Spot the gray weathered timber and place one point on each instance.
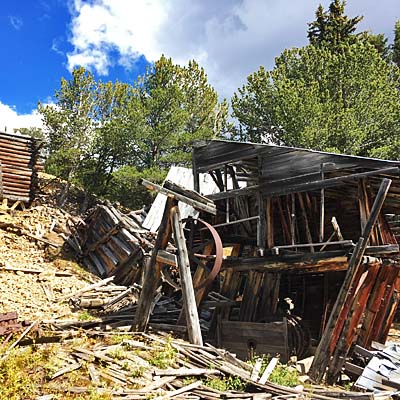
(322, 355)
(210, 207)
(152, 272)
(303, 187)
(192, 317)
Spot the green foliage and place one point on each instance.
(172, 107)
(106, 136)
(71, 122)
(380, 43)
(22, 372)
(396, 44)
(316, 98)
(126, 188)
(332, 28)
(33, 132)
(282, 375)
(165, 358)
(85, 316)
(226, 383)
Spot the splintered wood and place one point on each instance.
(139, 366)
(112, 244)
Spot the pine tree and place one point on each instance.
(332, 28)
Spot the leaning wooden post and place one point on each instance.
(322, 355)
(192, 317)
(152, 272)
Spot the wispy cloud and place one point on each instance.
(16, 22)
(55, 46)
(230, 38)
(10, 119)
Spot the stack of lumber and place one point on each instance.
(103, 296)
(19, 157)
(113, 243)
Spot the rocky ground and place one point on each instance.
(35, 266)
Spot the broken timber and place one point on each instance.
(152, 269)
(323, 356)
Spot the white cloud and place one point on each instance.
(230, 38)
(10, 119)
(15, 22)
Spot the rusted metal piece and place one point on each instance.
(218, 256)
(9, 323)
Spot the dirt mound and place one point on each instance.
(36, 267)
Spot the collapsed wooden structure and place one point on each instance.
(19, 164)
(305, 227)
(297, 249)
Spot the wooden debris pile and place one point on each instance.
(112, 244)
(19, 165)
(382, 369)
(139, 366)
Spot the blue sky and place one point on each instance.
(42, 40)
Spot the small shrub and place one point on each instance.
(163, 358)
(226, 383)
(284, 376)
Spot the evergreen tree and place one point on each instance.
(332, 28)
(345, 102)
(396, 44)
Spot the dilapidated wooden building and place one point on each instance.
(283, 250)
(290, 220)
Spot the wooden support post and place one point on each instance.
(322, 354)
(386, 299)
(305, 221)
(270, 223)
(192, 317)
(322, 208)
(285, 227)
(372, 309)
(196, 175)
(226, 189)
(293, 219)
(261, 225)
(152, 272)
(199, 275)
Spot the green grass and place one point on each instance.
(165, 358)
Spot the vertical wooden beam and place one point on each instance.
(293, 219)
(394, 301)
(226, 189)
(270, 223)
(261, 224)
(196, 175)
(199, 275)
(192, 317)
(322, 208)
(152, 272)
(322, 354)
(305, 221)
(285, 227)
